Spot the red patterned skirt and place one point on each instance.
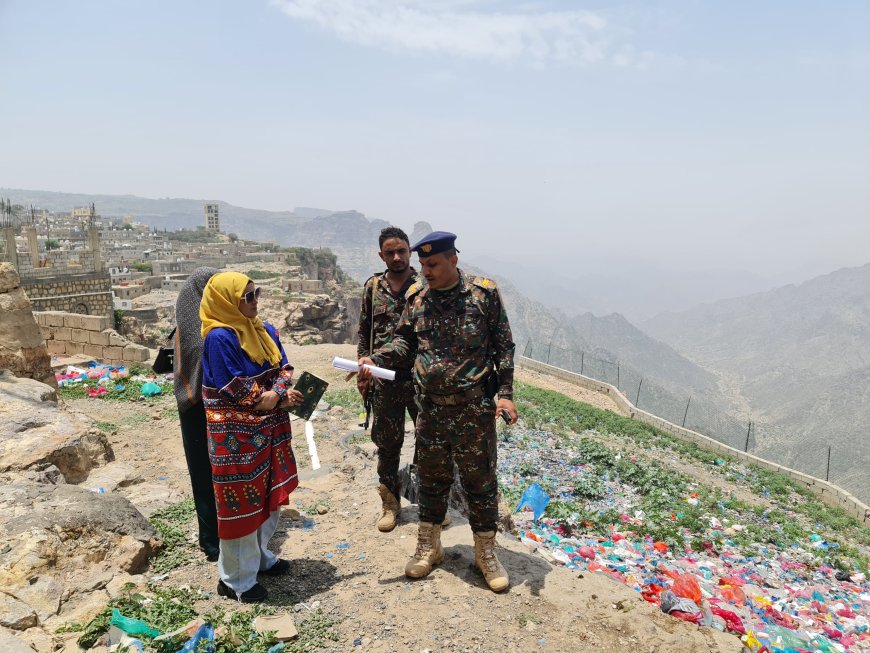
(252, 463)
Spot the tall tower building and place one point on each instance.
(212, 219)
(94, 238)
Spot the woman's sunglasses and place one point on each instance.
(251, 297)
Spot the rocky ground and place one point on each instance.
(348, 569)
(303, 318)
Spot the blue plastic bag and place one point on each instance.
(203, 633)
(535, 498)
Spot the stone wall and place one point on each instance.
(71, 334)
(827, 492)
(131, 291)
(312, 286)
(56, 263)
(87, 293)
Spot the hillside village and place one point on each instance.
(119, 268)
(95, 511)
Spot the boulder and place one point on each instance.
(22, 347)
(113, 476)
(318, 319)
(35, 435)
(39, 640)
(81, 608)
(10, 643)
(43, 595)
(61, 529)
(16, 614)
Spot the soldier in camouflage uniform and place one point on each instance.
(382, 305)
(456, 332)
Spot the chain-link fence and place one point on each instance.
(703, 414)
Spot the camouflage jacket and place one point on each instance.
(384, 309)
(454, 338)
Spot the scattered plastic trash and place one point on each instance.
(132, 626)
(535, 498)
(201, 642)
(150, 389)
(118, 640)
(72, 374)
(777, 598)
(670, 602)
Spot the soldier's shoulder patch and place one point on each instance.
(484, 282)
(414, 289)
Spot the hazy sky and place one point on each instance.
(693, 134)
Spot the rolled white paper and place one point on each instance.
(353, 366)
(312, 448)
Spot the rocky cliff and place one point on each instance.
(22, 348)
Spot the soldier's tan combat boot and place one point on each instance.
(390, 509)
(484, 557)
(429, 551)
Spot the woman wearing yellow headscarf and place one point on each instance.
(245, 384)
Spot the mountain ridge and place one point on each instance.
(799, 355)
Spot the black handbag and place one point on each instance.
(165, 361)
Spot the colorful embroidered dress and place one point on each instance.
(253, 468)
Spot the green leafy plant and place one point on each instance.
(344, 397)
(166, 609)
(173, 523)
(523, 619)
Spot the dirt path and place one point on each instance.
(355, 573)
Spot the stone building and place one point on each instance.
(60, 280)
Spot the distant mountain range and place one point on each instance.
(800, 355)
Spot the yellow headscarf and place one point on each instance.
(220, 308)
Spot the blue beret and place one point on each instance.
(435, 243)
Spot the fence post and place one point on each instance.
(617, 376)
(748, 431)
(637, 398)
(687, 411)
(828, 470)
(582, 360)
(548, 352)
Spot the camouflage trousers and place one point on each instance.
(388, 429)
(464, 435)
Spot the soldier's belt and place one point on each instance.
(459, 398)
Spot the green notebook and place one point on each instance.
(312, 389)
